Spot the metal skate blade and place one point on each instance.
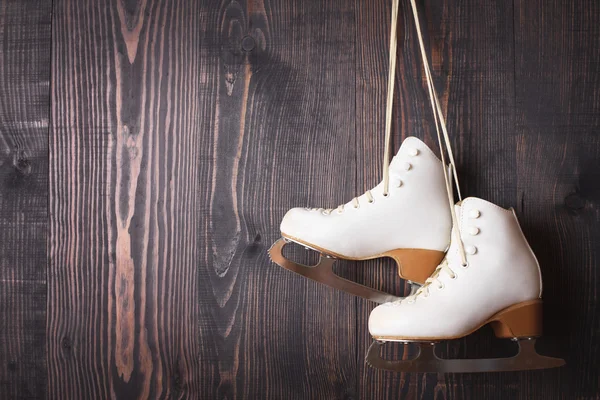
(323, 273)
(527, 358)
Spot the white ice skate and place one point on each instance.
(406, 217)
(489, 276)
(410, 224)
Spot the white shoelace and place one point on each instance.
(440, 122)
(390, 96)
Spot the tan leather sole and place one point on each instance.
(521, 320)
(415, 265)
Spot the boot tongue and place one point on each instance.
(396, 160)
(453, 245)
(458, 211)
(395, 163)
(408, 143)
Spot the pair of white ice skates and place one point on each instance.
(499, 281)
(469, 262)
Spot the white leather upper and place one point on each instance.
(502, 271)
(414, 215)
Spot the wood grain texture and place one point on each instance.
(557, 48)
(122, 288)
(280, 103)
(24, 113)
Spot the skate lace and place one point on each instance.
(355, 202)
(433, 279)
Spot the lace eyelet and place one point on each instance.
(473, 231)
(441, 287)
(464, 266)
(371, 201)
(453, 277)
(356, 207)
(325, 213)
(340, 211)
(386, 195)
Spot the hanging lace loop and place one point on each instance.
(440, 124)
(390, 96)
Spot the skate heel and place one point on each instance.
(416, 265)
(523, 320)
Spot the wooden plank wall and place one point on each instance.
(25, 41)
(124, 184)
(149, 149)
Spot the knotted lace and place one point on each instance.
(433, 280)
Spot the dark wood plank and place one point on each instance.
(481, 117)
(122, 289)
(558, 168)
(372, 66)
(24, 114)
(281, 127)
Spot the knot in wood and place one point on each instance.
(248, 43)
